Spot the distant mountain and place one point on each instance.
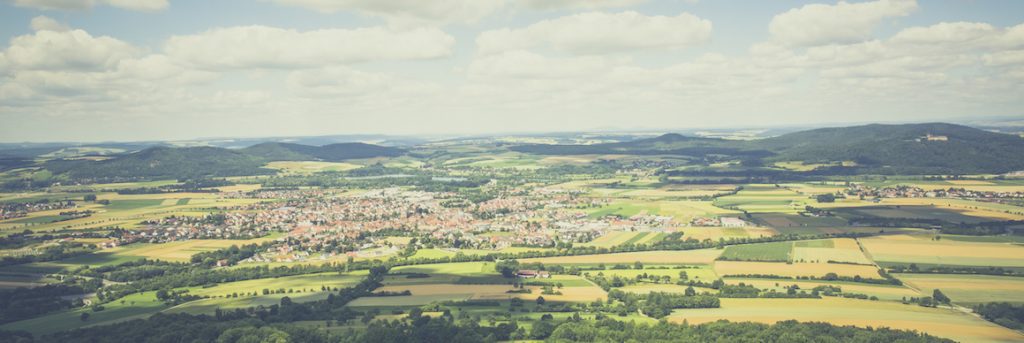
(931, 148)
(331, 152)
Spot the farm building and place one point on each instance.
(533, 274)
(732, 222)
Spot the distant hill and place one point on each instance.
(668, 144)
(932, 148)
(906, 148)
(331, 152)
(162, 162)
(199, 162)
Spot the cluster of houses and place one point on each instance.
(905, 191)
(719, 222)
(18, 210)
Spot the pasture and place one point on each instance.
(135, 306)
(210, 306)
(942, 322)
(767, 252)
(304, 283)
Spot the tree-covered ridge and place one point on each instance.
(162, 163)
(188, 328)
(200, 162)
(331, 152)
(910, 148)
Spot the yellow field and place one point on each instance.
(240, 188)
(611, 239)
(969, 289)
(182, 251)
(881, 291)
(919, 249)
(155, 206)
(940, 322)
(714, 233)
(309, 167)
(702, 256)
(725, 268)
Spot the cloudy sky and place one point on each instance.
(91, 70)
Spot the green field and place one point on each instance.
(769, 252)
(140, 305)
(305, 283)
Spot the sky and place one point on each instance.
(129, 70)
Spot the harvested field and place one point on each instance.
(941, 322)
(912, 249)
(726, 268)
(969, 289)
(702, 256)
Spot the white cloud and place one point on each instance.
(68, 49)
(41, 23)
(135, 5)
(339, 83)
(270, 47)
(844, 22)
(576, 4)
(408, 12)
(527, 65)
(597, 32)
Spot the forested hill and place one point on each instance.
(668, 144)
(911, 147)
(199, 162)
(162, 162)
(932, 148)
(331, 152)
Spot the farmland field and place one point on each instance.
(135, 306)
(883, 292)
(768, 252)
(727, 268)
(703, 256)
(941, 322)
(905, 249)
(698, 272)
(969, 289)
